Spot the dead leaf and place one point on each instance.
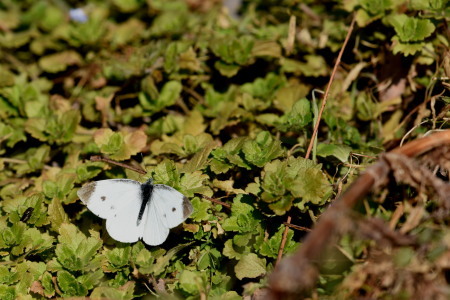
(227, 186)
(36, 287)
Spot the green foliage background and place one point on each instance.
(211, 105)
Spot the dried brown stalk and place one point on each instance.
(298, 273)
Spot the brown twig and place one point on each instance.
(296, 226)
(113, 162)
(327, 91)
(316, 126)
(217, 201)
(298, 273)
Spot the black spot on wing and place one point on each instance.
(103, 198)
(174, 209)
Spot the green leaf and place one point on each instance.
(91, 279)
(69, 285)
(192, 183)
(57, 215)
(120, 145)
(7, 78)
(191, 282)
(410, 29)
(125, 292)
(48, 285)
(199, 160)
(58, 62)
(428, 4)
(7, 292)
(201, 208)
(171, 20)
(376, 7)
(300, 177)
(166, 173)
(312, 186)
(287, 96)
(74, 251)
(341, 152)
(145, 259)
(250, 266)
(13, 236)
(230, 152)
(168, 96)
(5, 275)
(264, 88)
(209, 258)
(226, 69)
(37, 241)
(262, 150)
(54, 17)
(119, 257)
(163, 261)
(406, 48)
(58, 128)
(127, 6)
(169, 93)
(243, 218)
(314, 66)
(233, 50)
(230, 252)
(297, 118)
(271, 247)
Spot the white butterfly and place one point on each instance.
(135, 210)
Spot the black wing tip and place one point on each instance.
(86, 191)
(187, 207)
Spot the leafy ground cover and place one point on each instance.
(221, 105)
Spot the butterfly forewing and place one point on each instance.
(118, 201)
(172, 207)
(106, 197)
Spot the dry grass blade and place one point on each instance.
(316, 127)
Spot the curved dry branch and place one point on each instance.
(298, 273)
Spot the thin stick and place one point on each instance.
(316, 127)
(113, 162)
(325, 97)
(217, 201)
(297, 227)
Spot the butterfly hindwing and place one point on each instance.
(167, 208)
(155, 232)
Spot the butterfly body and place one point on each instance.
(135, 210)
